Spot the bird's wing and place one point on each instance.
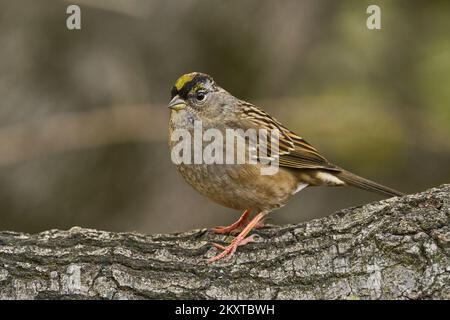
(293, 150)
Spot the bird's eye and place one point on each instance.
(200, 96)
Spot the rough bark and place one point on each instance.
(394, 249)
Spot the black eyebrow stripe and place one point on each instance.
(184, 91)
(173, 92)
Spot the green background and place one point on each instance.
(83, 116)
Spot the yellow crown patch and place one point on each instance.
(184, 79)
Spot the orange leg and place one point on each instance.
(240, 240)
(237, 225)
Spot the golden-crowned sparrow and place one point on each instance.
(196, 97)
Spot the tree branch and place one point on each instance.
(393, 249)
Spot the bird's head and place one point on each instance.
(198, 94)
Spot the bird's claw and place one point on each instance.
(229, 250)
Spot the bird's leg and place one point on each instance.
(240, 240)
(236, 225)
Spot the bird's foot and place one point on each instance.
(228, 251)
(236, 231)
(240, 240)
(236, 226)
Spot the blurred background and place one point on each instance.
(83, 116)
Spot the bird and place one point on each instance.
(197, 98)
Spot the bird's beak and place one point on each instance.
(177, 103)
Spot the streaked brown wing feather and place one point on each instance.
(294, 151)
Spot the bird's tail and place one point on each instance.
(362, 183)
